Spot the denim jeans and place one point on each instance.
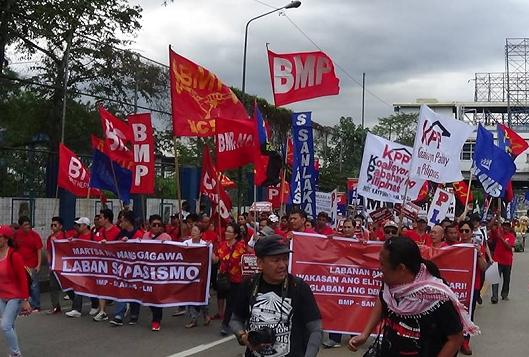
(9, 310)
(34, 292)
(121, 307)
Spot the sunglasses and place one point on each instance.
(156, 225)
(390, 231)
(465, 230)
(53, 225)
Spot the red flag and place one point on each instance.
(461, 190)
(300, 76)
(198, 98)
(227, 183)
(515, 143)
(99, 144)
(143, 148)
(290, 152)
(73, 176)
(509, 194)
(209, 186)
(117, 135)
(236, 143)
(423, 193)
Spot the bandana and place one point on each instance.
(424, 295)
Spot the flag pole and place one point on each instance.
(282, 188)
(401, 214)
(177, 183)
(468, 191)
(116, 184)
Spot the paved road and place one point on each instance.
(505, 332)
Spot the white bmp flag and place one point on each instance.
(438, 143)
(385, 171)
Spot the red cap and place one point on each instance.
(6, 231)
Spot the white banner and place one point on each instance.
(385, 170)
(438, 144)
(439, 207)
(327, 202)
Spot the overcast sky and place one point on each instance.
(408, 48)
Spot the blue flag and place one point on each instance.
(303, 181)
(492, 166)
(102, 176)
(261, 129)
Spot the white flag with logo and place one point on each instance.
(439, 207)
(437, 148)
(385, 171)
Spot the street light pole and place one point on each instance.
(291, 5)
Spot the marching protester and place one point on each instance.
(504, 241)
(14, 292)
(229, 276)
(348, 228)
(57, 233)
(297, 219)
(173, 228)
(29, 245)
(452, 234)
(420, 235)
(437, 236)
(322, 224)
(276, 313)
(391, 230)
(195, 311)
(430, 326)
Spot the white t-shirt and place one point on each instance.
(190, 242)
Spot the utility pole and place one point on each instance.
(363, 96)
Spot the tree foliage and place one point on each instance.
(400, 128)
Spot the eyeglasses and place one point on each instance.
(53, 225)
(465, 230)
(156, 224)
(390, 231)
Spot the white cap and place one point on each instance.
(391, 224)
(83, 220)
(273, 218)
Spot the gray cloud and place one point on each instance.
(408, 48)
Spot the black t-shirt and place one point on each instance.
(293, 311)
(422, 336)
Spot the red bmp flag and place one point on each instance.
(302, 75)
(73, 176)
(236, 143)
(209, 186)
(461, 191)
(199, 98)
(143, 149)
(117, 135)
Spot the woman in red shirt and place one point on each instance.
(14, 291)
(228, 255)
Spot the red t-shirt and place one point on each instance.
(421, 239)
(173, 231)
(56, 236)
(479, 273)
(13, 279)
(326, 231)
(379, 234)
(502, 254)
(86, 236)
(107, 234)
(28, 246)
(210, 236)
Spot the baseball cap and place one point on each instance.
(273, 218)
(82, 220)
(391, 224)
(421, 219)
(6, 231)
(270, 245)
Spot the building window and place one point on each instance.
(468, 150)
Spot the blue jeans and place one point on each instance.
(121, 307)
(9, 310)
(34, 292)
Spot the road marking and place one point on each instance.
(203, 347)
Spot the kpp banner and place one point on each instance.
(385, 170)
(73, 176)
(300, 76)
(303, 178)
(199, 98)
(346, 279)
(438, 144)
(153, 273)
(143, 148)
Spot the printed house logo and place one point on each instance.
(433, 133)
(486, 163)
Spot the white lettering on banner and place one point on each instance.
(76, 169)
(439, 206)
(227, 142)
(140, 132)
(116, 137)
(142, 153)
(210, 184)
(490, 186)
(139, 172)
(308, 74)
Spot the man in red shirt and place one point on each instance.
(173, 229)
(322, 224)
(419, 234)
(82, 229)
(504, 242)
(297, 219)
(57, 233)
(29, 245)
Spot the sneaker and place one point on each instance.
(224, 330)
(116, 321)
(53, 311)
(133, 320)
(101, 316)
(93, 311)
(155, 326)
(36, 309)
(73, 313)
(505, 298)
(179, 312)
(494, 300)
(66, 297)
(331, 344)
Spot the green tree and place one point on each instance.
(343, 155)
(400, 128)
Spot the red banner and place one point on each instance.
(199, 98)
(273, 194)
(117, 135)
(236, 143)
(152, 273)
(300, 76)
(345, 280)
(143, 148)
(209, 186)
(73, 176)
